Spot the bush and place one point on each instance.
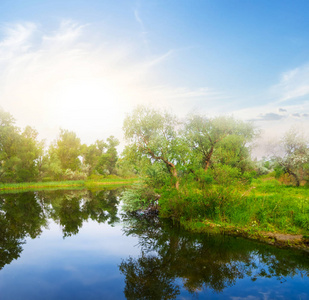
(139, 197)
(193, 203)
(74, 175)
(226, 175)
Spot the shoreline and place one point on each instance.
(281, 240)
(64, 184)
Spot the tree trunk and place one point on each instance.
(174, 174)
(171, 167)
(207, 160)
(296, 178)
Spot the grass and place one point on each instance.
(263, 206)
(110, 181)
(67, 184)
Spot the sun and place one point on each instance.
(83, 100)
(86, 94)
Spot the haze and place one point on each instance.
(83, 65)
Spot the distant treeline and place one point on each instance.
(23, 157)
(159, 146)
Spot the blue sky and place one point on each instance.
(83, 65)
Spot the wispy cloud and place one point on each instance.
(144, 33)
(65, 77)
(270, 117)
(294, 84)
(17, 39)
(158, 59)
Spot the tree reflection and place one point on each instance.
(10, 244)
(71, 209)
(201, 261)
(146, 278)
(21, 215)
(24, 215)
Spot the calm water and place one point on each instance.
(78, 245)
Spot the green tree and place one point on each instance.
(107, 161)
(20, 153)
(295, 158)
(9, 143)
(92, 154)
(68, 150)
(219, 140)
(29, 153)
(155, 135)
(101, 157)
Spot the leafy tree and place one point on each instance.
(295, 159)
(51, 166)
(102, 156)
(155, 135)
(19, 152)
(9, 143)
(107, 161)
(132, 162)
(92, 154)
(68, 150)
(219, 140)
(29, 153)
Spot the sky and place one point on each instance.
(85, 65)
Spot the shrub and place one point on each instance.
(139, 197)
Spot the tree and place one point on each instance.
(108, 159)
(9, 143)
(29, 153)
(92, 154)
(19, 152)
(295, 158)
(220, 139)
(155, 135)
(68, 150)
(102, 156)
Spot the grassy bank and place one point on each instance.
(265, 210)
(67, 184)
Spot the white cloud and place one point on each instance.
(69, 78)
(293, 84)
(16, 39)
(284, 110)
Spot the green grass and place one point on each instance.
(262, 206)
(67, 184)
(34, 185)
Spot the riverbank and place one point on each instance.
(67, 184)
(282, 240)
(264, 210)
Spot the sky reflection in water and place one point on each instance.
(78, 247)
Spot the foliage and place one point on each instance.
(101, 157)
(264, 205)
(19, 152)
(201, 262)
(68, 149)
(155, 136)
(295, 160)
(219, 140)
(139, 196)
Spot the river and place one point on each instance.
(79, 244)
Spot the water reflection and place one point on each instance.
(170, 263)
(202, 262)
(24, 215)
(21, 215)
